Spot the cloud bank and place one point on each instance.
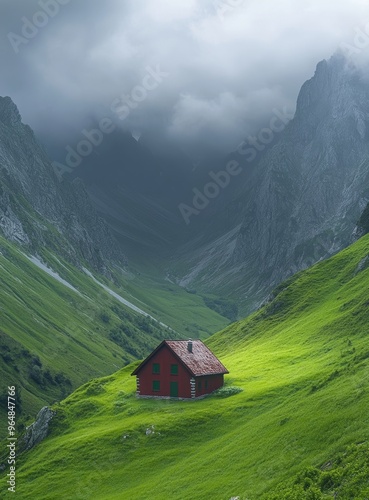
(228, 63)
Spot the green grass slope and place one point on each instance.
(190, 314)
(302, 364)
(345, 477)
(54, 338)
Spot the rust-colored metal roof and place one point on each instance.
(201, 361)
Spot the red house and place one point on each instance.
(179, 369)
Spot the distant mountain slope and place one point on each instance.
(297, 202)
(59, 328)
(137, 191)
(302, 362)
(36, 210)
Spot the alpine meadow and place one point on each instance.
(184, 250)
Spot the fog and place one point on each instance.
(201, 73)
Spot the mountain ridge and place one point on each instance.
(37, 210)
(303, 199)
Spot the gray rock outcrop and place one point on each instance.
(39, 430)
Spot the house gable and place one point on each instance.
(153, 355)
(163, 374)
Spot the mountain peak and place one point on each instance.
(337, 63)
(334, 88)
(9, 114)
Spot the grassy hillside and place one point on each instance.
(190, 314)
(346, 476)
(302, 364)
(54, 338)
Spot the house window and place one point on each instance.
(206, 383)
(199, 385)
(174, 369)
(156, 368)
(156, 385)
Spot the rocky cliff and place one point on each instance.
(303, 198)
(297, 202)
(37, 210)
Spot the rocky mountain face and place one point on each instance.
(136, 189)
(362, 226)
(296, 202)
(301, 199)
(37, 210)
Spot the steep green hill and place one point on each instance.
(55, 336)
(302, 364)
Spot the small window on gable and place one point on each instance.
(156, 368)
(174, 369)
(156, 385)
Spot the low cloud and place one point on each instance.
(229, 62)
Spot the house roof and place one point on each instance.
(201, 361)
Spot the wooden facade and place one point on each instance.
(179, 369)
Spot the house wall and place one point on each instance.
(165, 358)
(208, 384)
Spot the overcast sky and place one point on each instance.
(224, 64)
